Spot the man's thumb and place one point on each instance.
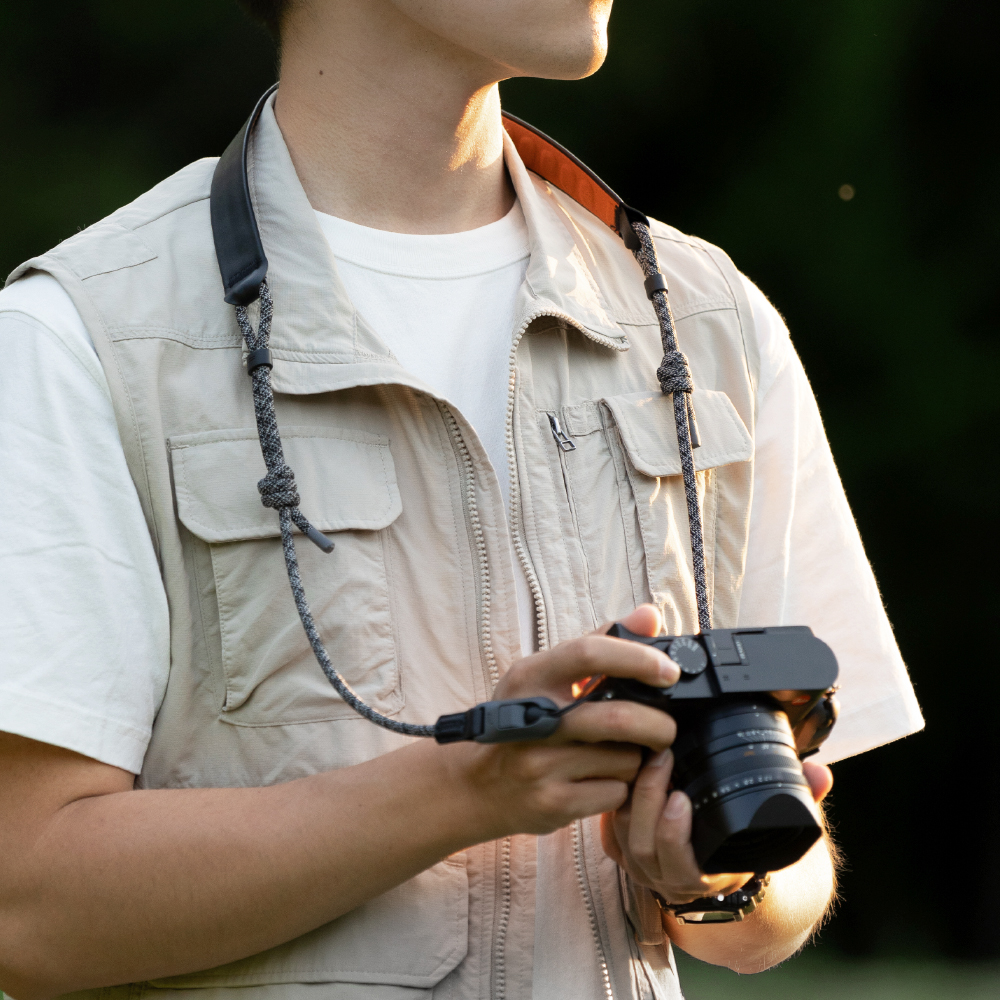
(645, 620)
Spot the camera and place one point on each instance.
(750, 704)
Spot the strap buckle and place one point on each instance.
(719, 909)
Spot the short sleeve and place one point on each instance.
(805, 562)
(84, 639)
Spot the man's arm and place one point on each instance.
(650, 838)
(102, 884)
(797, 899)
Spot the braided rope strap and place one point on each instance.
(674, 377)
(278, 491)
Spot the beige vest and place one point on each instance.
(417, 604)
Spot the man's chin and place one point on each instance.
(565, 63)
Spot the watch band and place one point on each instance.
(719, 909)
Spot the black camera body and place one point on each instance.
(750, 704)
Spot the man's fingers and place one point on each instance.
(618, 722)
(592, 655)
(649, 795)
(673, 838)
(618, 763)
(683, 881)
(599, 796)
(555, 671)
(820, 779)
(547, 765)
(645, 620)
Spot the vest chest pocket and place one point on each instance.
(347, 483)
(625, 493)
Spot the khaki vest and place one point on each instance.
(417, 603)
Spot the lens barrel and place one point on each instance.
(753, 808)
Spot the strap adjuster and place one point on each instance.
(261, 358)
(655, 283)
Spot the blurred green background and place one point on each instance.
(742, 123)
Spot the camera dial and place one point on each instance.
(688, 654)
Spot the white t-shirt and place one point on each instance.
(444, 306)
(84, 631)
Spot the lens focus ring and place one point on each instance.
(735, 758)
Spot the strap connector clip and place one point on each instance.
(507, 721)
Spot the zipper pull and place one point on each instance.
(563, 440)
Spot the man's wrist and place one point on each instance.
(798, 897)
(468, 807)
(439, 792)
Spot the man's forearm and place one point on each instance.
(796, 900)
(102, 885)
(140, 884)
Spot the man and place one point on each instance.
(463, 362)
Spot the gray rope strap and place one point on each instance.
(674, 376)
(278, 491)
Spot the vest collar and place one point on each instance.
(318, 339)
(559, 280)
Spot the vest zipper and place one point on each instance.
(565, 444)
(479, 542)
(588, 899)
(563, 440)
(542, 634)
(503, 922)
(486, 643)
(541, 621)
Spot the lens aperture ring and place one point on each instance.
(696, 773)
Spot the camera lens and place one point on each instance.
(753, 808)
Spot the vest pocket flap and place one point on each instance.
(346, 480)
(646, 423)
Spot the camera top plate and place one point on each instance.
(744, 660)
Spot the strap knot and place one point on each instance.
(674, 374)
(277, 489)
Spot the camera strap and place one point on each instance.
(243, 265)
(719, 909)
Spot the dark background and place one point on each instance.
(739, 122)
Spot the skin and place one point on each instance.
(391, 113)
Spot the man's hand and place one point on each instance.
(587, 766)
(650, 834)
(796, 901)
(650, 838)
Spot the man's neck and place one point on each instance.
(390, 126)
